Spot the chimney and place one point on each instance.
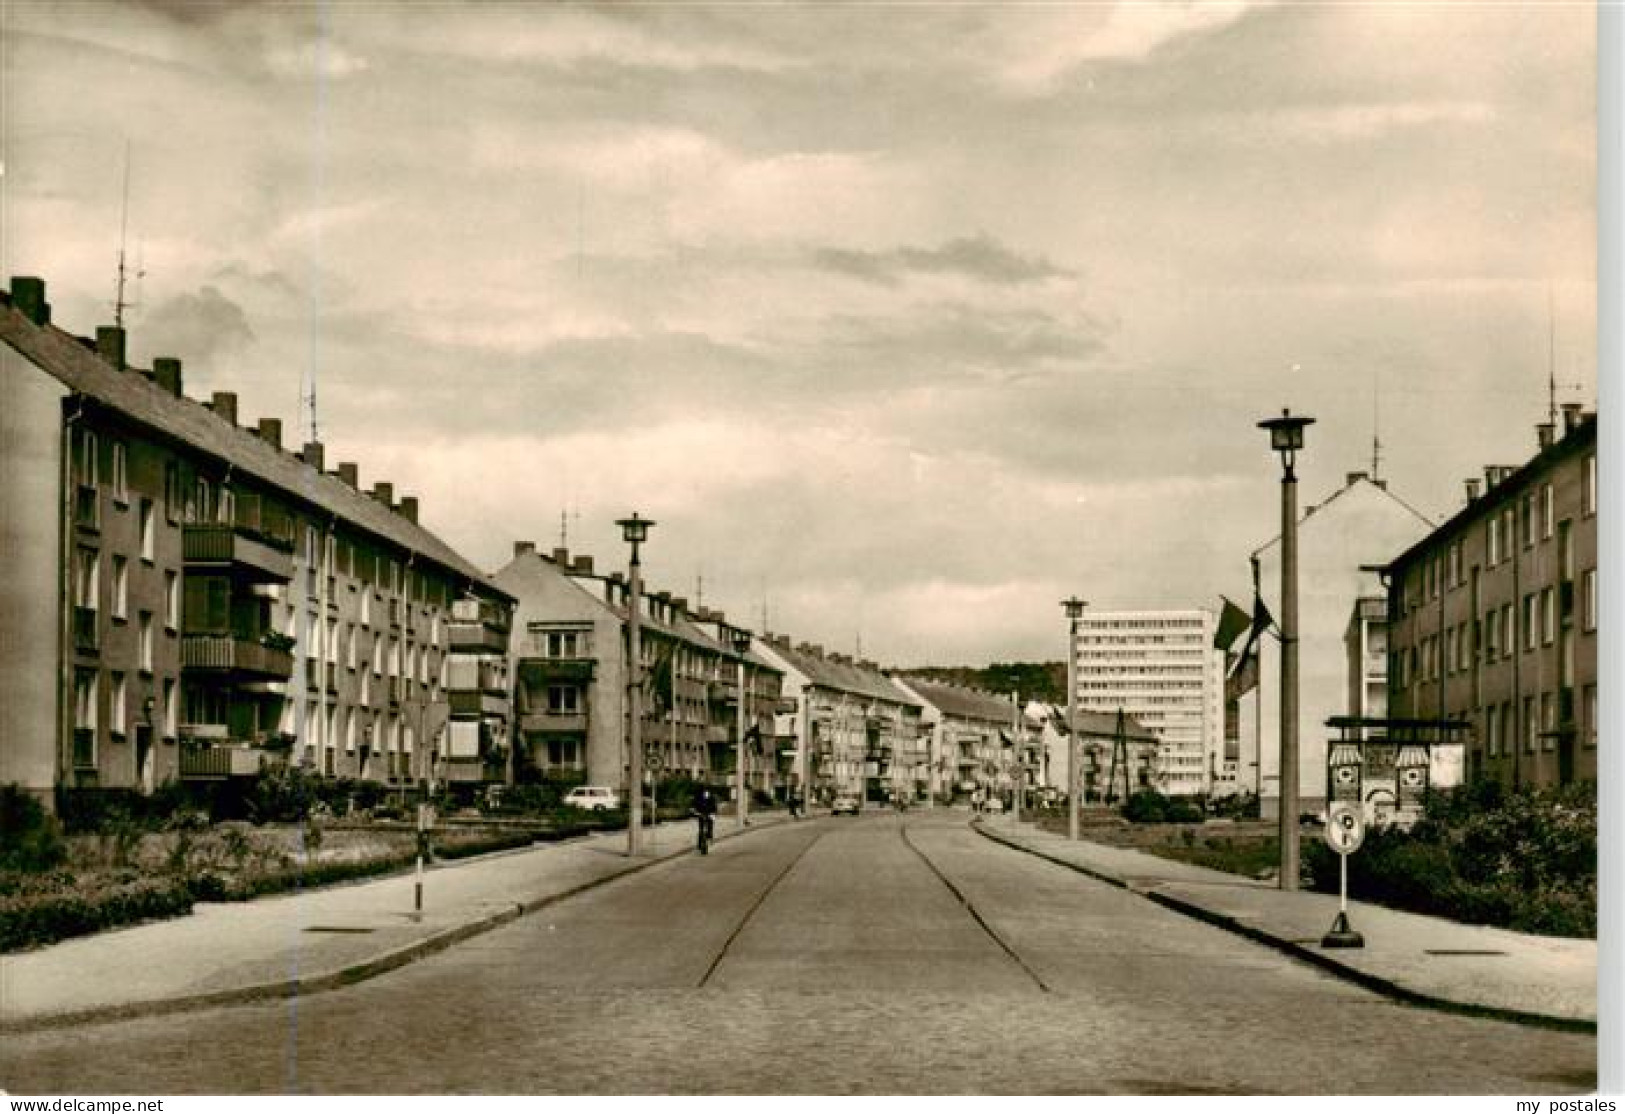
(312, 454)
(1543, 433)
(523, 549)
(110, 345)
(224, 403)
(271, 432)
(1355, 477)
(583, 564)
(28, 295)
(409, 508)
(1573, 414)
(166, 370)
(680, 603)
(350, 474)
(1472, 489)
(384, 493)
(561, 556)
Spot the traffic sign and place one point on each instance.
(1345, 828)
(653, 761)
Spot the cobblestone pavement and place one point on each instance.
(872, 956)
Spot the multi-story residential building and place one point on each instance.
(1493, 616)
(1356, 528)
(1111, 752)
(1366, 647)
(1159, 667)
(185, 598)
(972, 738)
(855, 729)
(569, 661)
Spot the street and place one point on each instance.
(879, 954)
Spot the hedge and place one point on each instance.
(44, 918)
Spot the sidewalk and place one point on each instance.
(297, 943)
(1424, 960)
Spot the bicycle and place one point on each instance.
(703, 838)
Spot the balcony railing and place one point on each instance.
(231, 654)
(244, 550)
(216, 763)
(86, 636)
(463, 637)
(482, 612)
(533, 723)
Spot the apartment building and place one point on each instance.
(184, 598)
(1112, 752)
(972, 738)
(569, 663)
(855, 729)
(1492, 618)
(1159, 667)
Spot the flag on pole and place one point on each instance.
(1232, 621)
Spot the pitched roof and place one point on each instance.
(1099, 725)
(66, 359)
(955, 700)
(842, 676)
(1358, 480)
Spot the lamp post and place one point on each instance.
(741, 643)
(1286, 438)
(636, 531)
(1074, 611)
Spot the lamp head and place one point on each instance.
(1074, 607)
(1286, 432)
(635, 530)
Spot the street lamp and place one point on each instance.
(636, 531)
(741, 643)
(1286, 438)
(1074, 611)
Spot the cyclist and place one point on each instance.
(704, 808)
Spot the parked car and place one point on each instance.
(993, 804)
(846, 803)
(594, 798)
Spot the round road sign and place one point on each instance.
(1345, 828)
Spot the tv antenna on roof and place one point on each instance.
(119, 304)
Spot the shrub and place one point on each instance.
(43, 918)
(30, 838)
(1146, 806)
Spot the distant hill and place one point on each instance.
(1031, 680)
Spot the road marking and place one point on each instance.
(902, 830)
(751, 912)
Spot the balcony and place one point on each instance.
(467, 638)
(475, 675)
(86, 635)
(243, 551)
(473, 612)
(229, 653)
(466, 704)
(217, 763)
(536, 672)
(537, 723)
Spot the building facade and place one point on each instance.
(855, 730)
(1340, 540)
(185, 599)
(972, 740)
(1493, 616)
(1159, 667)
(570, 663)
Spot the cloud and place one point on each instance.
(205, 327)
(978, 257)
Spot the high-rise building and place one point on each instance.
(1160, 667)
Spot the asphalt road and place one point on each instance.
(875, 955)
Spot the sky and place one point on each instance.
(903, 321)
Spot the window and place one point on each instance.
(1509, 631)
(1492, 633)
(1531, 728)
(1588, 600)
(1530, 621)
(144, 642)
(1588, 715)
(85, 459)
(1526, 523)
(116, 713)
(84, 717)
(1588, 486)
(1548, 616)
(121, 587)
(1548, 511)
(349, 658)
(1548, 720)
(87, 577)
(170, 709)
(147, 541)
(331, 642)
(172, 492)
(1491, 739)
(563, 700)
(228, 505)
(1494, 555)
(172, 601)
(121, 477)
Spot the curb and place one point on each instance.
(1318, 959)
(356, 972)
